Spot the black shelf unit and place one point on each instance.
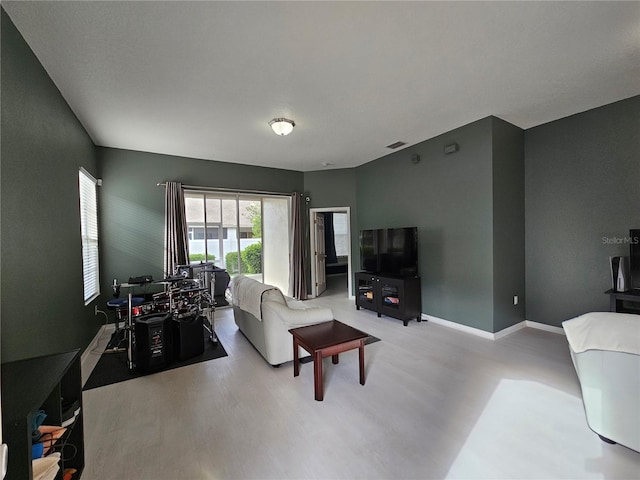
(624, 302)
(397, 297)
(41, 383)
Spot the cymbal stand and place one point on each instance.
(208, 312)
(129, 329)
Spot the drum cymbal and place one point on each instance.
(179, 278)
(191, 289)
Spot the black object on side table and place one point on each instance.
(42, 383)
(624, 302)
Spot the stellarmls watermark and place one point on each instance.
(621, 240)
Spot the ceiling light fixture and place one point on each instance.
(282, 126)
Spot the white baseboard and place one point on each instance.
(458, 326)
(94, 343)
(492, 336)
(545, 327)
(509, 330)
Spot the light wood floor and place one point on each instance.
(438, 403)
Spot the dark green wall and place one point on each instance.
(132, 205)
(582, 186)
(581, 182)
(450, 199)
(331, 188)
(43, 145)
(335, 188)
(508, 224)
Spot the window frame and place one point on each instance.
(89, 235)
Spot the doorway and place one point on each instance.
(330, 247)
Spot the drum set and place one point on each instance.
(188, 293)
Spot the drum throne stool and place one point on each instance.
(120, 307)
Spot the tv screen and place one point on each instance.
(369, 250)
(634, 254)
(390, 251)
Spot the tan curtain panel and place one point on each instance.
(297, 277)
(176, 241)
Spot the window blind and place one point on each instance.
(89, 233)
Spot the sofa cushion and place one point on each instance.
(295, 317)
(248, 294)
(617, 332)
(273, 295)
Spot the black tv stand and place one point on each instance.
(397, 297)
(624, 302)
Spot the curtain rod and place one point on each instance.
(228, 190)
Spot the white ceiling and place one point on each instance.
(202, 79)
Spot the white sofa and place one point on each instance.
(605, 349)
(264, 316)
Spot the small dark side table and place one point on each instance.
(323, 340)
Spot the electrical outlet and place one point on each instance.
(515, 299)
(96, 310)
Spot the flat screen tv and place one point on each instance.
(390, 251)
(634, 254)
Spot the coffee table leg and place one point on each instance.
(317, 375)
(361, 354)
(335, 359)
(296, 360)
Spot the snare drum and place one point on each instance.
(142, 309)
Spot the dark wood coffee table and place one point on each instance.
(324, 340)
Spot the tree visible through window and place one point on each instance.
(220, 226)
(243, 233)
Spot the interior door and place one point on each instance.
(320, 254)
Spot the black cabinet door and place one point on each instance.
(391, 297)
(366, 294)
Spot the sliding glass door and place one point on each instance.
(276, 244)
(247, 234)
